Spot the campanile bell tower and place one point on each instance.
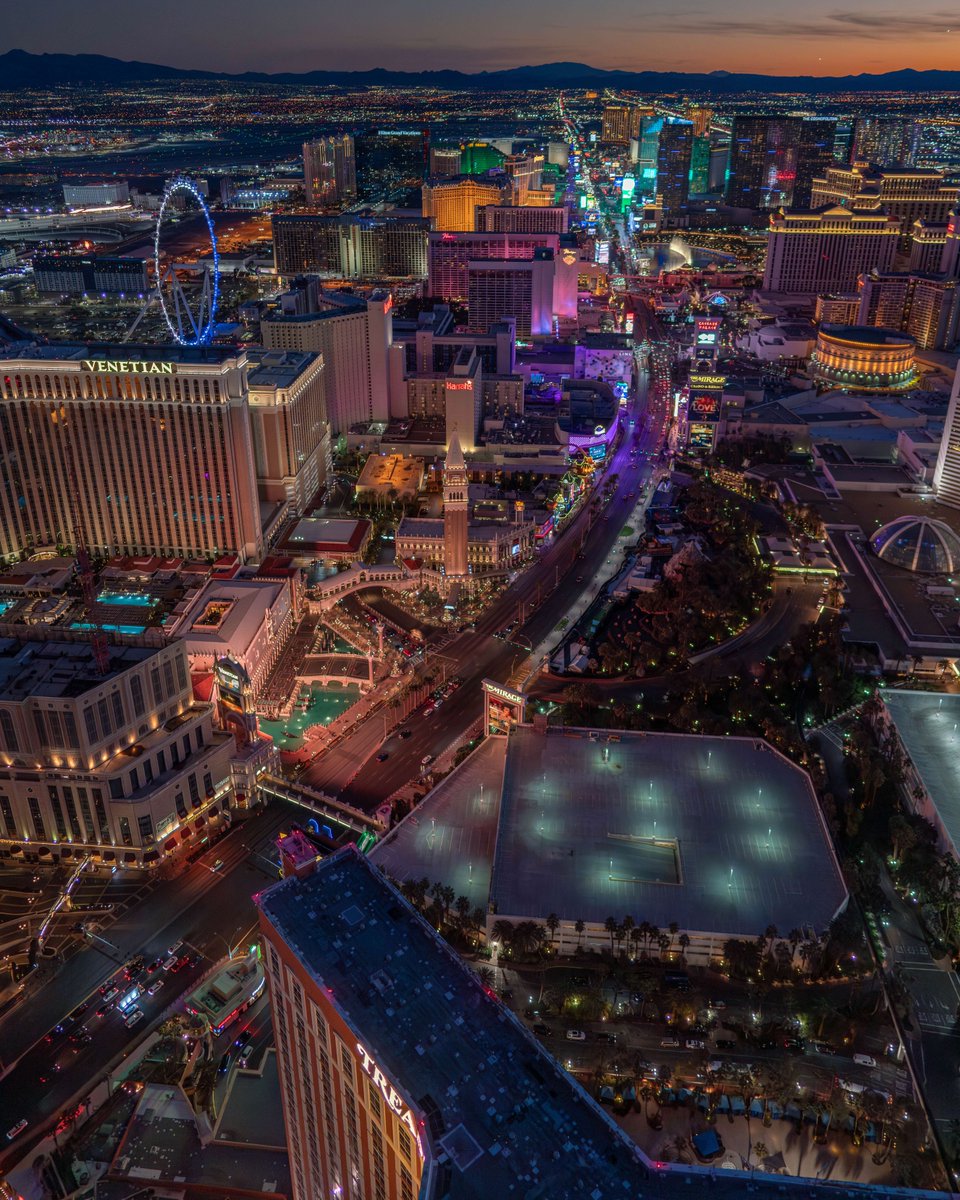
(456, 512)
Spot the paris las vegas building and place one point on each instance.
(184, 451)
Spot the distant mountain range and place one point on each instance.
(19, 70)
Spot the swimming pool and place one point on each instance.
(6, 605)
(127, 599)
(326, 704)
(131, 629)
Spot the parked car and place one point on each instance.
(18, 1128)
(670, 1043)
(695, 1044)
(726, 1044)
(543, 1030)
(865, 1060)
(576, 1035)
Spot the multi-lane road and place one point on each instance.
(211, 909)
(537, 601)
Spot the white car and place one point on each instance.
(426, 760)
(170, 963)
(132, 1017)
(18, 1128)
(865, 1060)
(576, 1035)
(154, 987)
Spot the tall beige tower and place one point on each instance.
(456, 512)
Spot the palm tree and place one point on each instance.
(579, 926)
(485, 975)
(553, 924)
(683, 941)
(462, 905)
(502, 932)
(674, 929)
(610, 925)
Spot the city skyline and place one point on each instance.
(825, 39)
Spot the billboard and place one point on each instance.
(700, 437)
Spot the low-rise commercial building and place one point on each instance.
(248, 620)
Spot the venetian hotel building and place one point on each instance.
(189, 451)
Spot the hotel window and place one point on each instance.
(181, 807)
(403, 1138)
(8, 734)
(70, 725)
(194, 791)
(136, 692)
(146, 829)
(118, 710)
(101, 814)
(125, 831)
(8, 820)
(57, 813)
(91, 723)
(346, 1062)
(72, 812)
(38, 827)
(104, 716)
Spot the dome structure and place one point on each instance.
(918, 544)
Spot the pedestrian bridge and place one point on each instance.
(334, 814)
(325, 594)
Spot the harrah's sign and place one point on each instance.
(125, 366)
(394, 1101)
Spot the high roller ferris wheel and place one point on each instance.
(190, 319)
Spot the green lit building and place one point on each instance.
(476, 158)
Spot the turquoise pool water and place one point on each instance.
(127, 599)
(326, 704)
(5, 605)
(133, 629)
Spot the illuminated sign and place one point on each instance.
(388, 1091)
(706, 339)
(133, 366)
(708, 381)
(703, 405)
(502, 693)
(597, 452)
(708, 323)
(701, 437)
(459, 387)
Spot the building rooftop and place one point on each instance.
(228, 614)
(866, 335)
(122, 352)
(927, 725)
(490, 1100)
(322, 535)
(717, 834)
(510, 1119)
(58, 668)
(276, 368)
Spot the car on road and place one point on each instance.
(405, 733)
(218, 865)
(170, 963)
(543, 1030)
(104, 1008)
(154, 987)
(576, 1035)
(154, 966)
(243, 1038)
(609, 1038)
(865, 1060)
(670, 1043)
(18, 1128)
(383, 757)
(245, 1055)
(695, 1044)
(224, 1063)
(111, 994)
(79, 1011)
(175, 949)
(426, 760)
(719, 1005)
(132, 1017)
(726, 1044)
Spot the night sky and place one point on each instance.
(815, 37)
